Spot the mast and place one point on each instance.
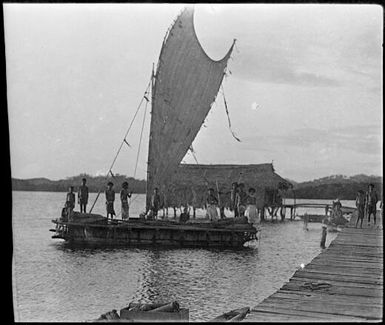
(149, 176)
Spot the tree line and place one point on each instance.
(94, 183)
(346, 191)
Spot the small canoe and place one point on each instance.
(235, 315)
(153, 312)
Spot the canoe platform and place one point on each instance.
(96, 230)
(342, 284)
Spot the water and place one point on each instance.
(54, 282)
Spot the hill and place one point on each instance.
(337, 186)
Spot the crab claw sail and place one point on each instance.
(185, 86)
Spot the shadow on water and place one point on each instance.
(93, 249)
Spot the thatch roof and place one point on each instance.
(190, 182)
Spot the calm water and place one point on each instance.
(54, 282)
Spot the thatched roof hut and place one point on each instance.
(190, 182)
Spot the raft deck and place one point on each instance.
(344, 283)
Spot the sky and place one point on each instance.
(304, 87)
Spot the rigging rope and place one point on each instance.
(228, 116)
(140, 139)
(124, 139)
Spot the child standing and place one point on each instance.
(70, 202)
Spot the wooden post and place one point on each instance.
(305, 221)
(194, 213)
(323, 236)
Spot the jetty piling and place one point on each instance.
(343, 283)
(323, 235)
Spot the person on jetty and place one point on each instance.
(252, 210)
(241, 200)
(70, 203)
(360, 204)
(211, 205)
(233, 196)
(371, 200)
(124, 195)
(337, 212)
(110, 198)
(83, 196)
(155, 203)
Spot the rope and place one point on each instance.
(193, 154)
(228, 116)
(140, 139)
(124, 139)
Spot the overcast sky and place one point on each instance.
(305, 89)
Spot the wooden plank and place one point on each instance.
(301, 281)
(266, 316)
(339, 257)
(341, 263)
(327, 308)
(351, 270)
(313, 314)
(328, 298)
(337, 276)
(346, 263)
(262, 317)
(362, 259)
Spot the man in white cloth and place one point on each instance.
(124, 196)
(211, 205)
(251, 208)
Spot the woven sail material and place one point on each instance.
(186, 84)
(190, 182)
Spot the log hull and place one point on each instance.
(144, 235)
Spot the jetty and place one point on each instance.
(344, 283)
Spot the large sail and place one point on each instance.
(185, 86)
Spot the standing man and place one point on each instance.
(110, 198)
(155, 203)
(211, 205)
(371, 203)
(124, 195)
(83, 196)
(233, 196)
(360, 204)
(70, 203)
(241, 200)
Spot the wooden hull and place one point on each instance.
(126, 234)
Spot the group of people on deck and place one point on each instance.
(83, 192)
(241, 203)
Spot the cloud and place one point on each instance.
(359, 139)
(273, 65)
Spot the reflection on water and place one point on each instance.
(56, 282)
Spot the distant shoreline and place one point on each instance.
(326, 188)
